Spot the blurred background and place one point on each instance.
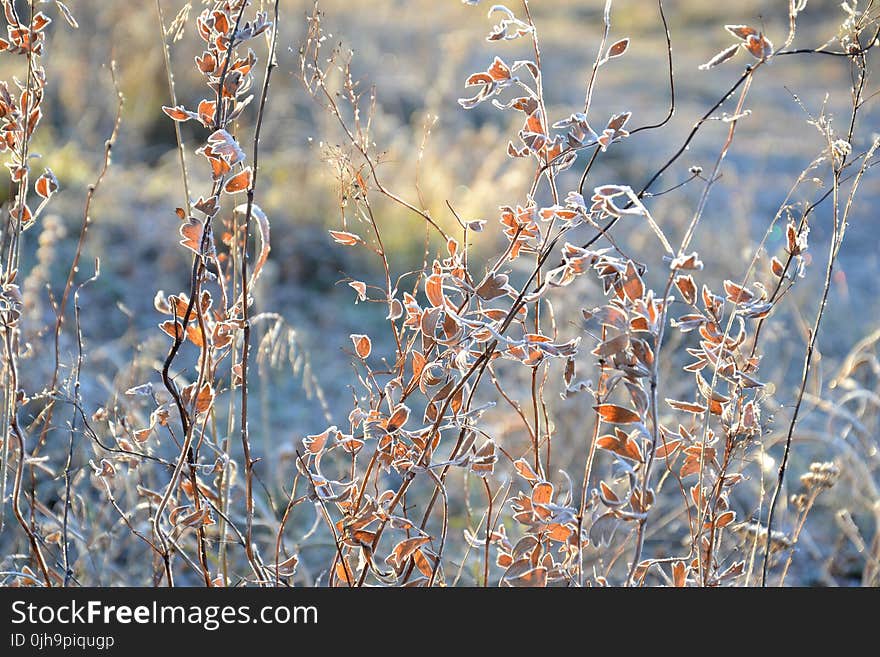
(417, 54)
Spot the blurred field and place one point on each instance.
(417, 54)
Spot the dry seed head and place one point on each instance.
(799, 501)
(840, 149)
(751, 530)
(53, 232)
(820, 476)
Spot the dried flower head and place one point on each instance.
(752, 530)
(840, 148)
(820, 476)
(800, 501)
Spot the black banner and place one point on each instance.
(113, 620)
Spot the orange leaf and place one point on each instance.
(483, 462)
(679, 574)
(534, 123)
(525, 470)
(315, 443)
(688, 407)
(608, 495)
(418, 363)
(207, 63)
(542, 493)
(741, 31)
(344, 238)
(207, 110)
(40, 21)
(172, 328)
(687, 287)
(205, 398)
(667, 448)
(434, 289)
(177, 113)
(362, 344)
(499, 70)
(221, 22)
(777, 267)
(617, 414)
(617, 49)
(47, 184)
(737, 294)
(406, 549)
(34, 120)
(622, 445)
(360, 288)
(194, 333)
(398, 418)
(191, 232)
(633, 287)
(344, 573)
(360, 181)
(759, 46)
(422, 564)
(690, 466)
(238, 182)
(219, 167)
(536, 577)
